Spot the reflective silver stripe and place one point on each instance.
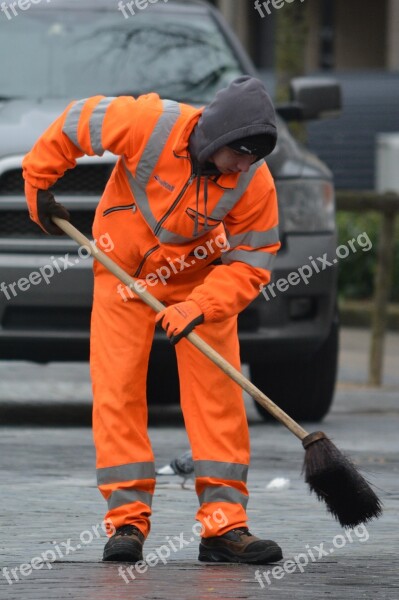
(71, 124)
(140, 198)
(150, 157)
(263, 260)
(168, 237)
(96, 125)
(254, 239)
(157, 141)
(128, 472)
(223, 494)
(121, 497)
(221, 470)
(230, 198)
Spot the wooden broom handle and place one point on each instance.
(198, 342)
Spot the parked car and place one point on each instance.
(184, 50)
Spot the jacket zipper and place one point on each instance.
(146, 255)
(175, 203)
(150, 251)
(121, 207)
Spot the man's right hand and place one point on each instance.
(42, 206)
(47, 207)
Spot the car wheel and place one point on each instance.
(303, 389)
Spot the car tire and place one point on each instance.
(303, 389)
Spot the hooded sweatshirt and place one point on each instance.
(242, 109)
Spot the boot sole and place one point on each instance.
(269, 555)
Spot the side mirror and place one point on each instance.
(312, 98)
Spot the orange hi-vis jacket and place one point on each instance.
(154, 206)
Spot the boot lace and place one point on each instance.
(242, 531)
(127, 530)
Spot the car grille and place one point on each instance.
(249, 320)
(17, 223)
(46, 318)
(84, 180)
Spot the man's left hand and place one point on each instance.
(179, 319)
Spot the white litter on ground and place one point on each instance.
(277, 484)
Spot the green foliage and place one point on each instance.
(357, 272)
(290, 47)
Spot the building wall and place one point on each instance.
(314, 15)
(393, 35)
(238, 15)
(342, 35)
(360, 34)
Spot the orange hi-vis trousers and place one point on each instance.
(121, 336)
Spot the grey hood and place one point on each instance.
(242, 109)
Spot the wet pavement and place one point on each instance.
(51, 511)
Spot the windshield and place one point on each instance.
(79, 53)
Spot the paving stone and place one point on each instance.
(49, 497)
(50, 502)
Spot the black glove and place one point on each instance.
(47, 207)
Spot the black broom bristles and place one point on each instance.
(336, 481)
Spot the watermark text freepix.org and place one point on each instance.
(267, 6)
(57, 265)
(177, 265)
(124, 7)
(10, 9)
(58, 551)
(301, 560)
(174, 544)
(321, 263)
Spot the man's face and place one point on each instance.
(228, 160)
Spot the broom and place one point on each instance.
(330, 475)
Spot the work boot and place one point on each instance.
(126, 545)
(239, 546)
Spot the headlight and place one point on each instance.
(306, 205)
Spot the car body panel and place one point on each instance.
(50, 321)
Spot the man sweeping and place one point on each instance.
(185, 179)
